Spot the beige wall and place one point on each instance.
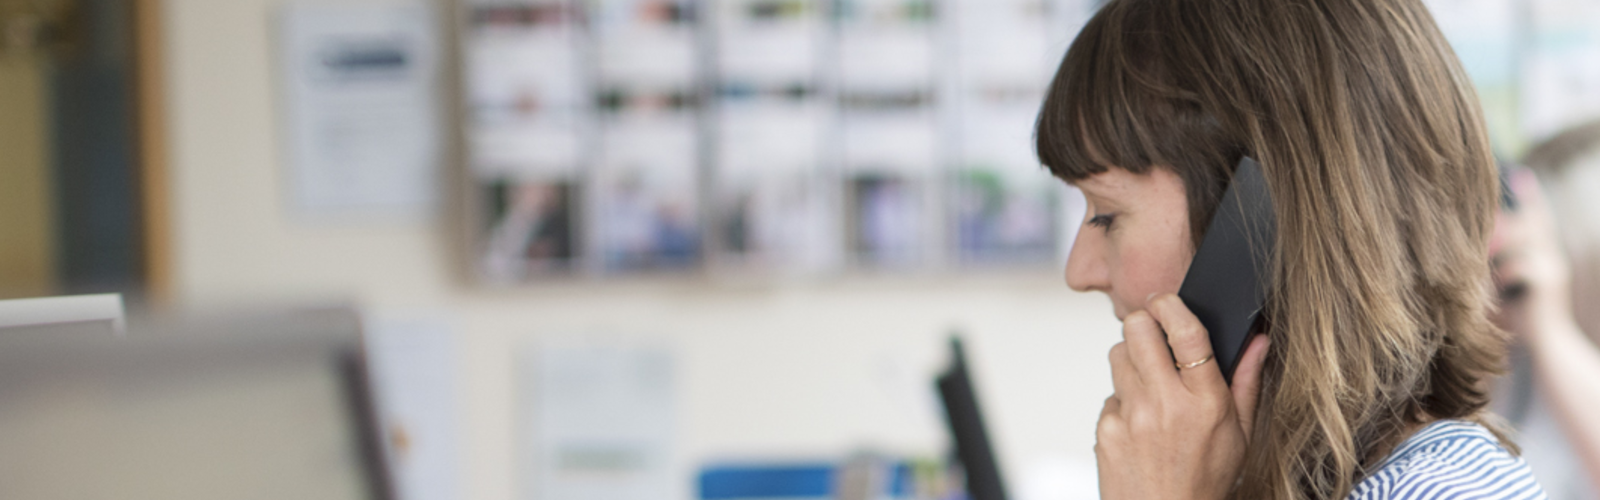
(807, 369)
(26, 239)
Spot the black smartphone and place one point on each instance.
(1226, 286)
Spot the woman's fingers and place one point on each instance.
(1108, 431)
(1112, 408)
(1247, 381)
(1147, 346)
(1124, 377)
(1189, 342)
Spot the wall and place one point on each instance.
(818, 368)
(27, 266)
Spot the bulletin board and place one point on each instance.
(628, 137)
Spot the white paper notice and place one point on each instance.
(412, 361)
(602, 423)
(362, 121)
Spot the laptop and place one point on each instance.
(266, 407)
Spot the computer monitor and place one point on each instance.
(264, 408)
(970, 435)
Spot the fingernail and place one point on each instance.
(1150, 297)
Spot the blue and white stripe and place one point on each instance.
(1450, 459)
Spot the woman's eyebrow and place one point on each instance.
(1087, 185)
(1097, 192)
(1099, 203)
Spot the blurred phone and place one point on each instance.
(1515, 290)
(1508, 198)
(1226, 286)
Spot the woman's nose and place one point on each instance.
(1086, 265)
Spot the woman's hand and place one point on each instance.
(1170, 433)
(1530, 271)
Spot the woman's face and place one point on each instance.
(1135, 240)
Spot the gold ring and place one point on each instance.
(1194, 364)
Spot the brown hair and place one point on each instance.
(1376, 155)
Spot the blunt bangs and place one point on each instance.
(1120, 99)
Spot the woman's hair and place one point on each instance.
(1385, 187)
(1568, 166)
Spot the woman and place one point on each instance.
(1553, 393)
(1370, 380)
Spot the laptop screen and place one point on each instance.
(269, 411)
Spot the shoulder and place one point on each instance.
(1450, 459)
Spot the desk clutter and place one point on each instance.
(859, 478)
(972, 474)
(610, 137)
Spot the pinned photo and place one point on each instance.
(884, 11)
(780, 222)
(770, 11)
(614, 14)
(886, 220)
(647, 225)
(531, 230)
(523, 16)
(1003, 222)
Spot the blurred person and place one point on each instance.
(1374, 382)
(1552, 395)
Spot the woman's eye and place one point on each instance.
(1102, 221)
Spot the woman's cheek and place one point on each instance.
(1149, 273)
(1124, 280)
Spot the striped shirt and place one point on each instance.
(1450, 459)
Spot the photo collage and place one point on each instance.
(625, 137)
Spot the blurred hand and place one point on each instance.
(1531, 274)
(1170, 433)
